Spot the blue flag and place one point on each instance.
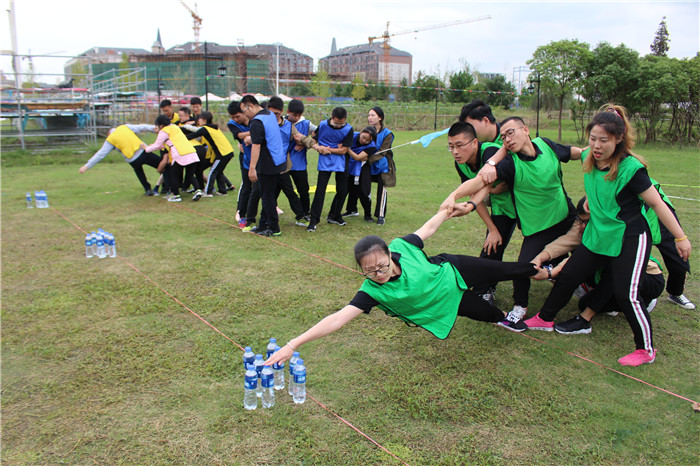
(428, 138)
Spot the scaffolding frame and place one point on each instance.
(120, 97)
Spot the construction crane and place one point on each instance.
(196, 20)
(386, 37)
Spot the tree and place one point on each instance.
(657, 85)
(560, 65)
(460, 82)
(660, 45)
(377, 91)
(358, 87)
(404, 93)
(501, 92)
(612, 75)
(425, 87)
(319, 84)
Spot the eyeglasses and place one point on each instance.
(459, 145)
(244, 109)
(509, 133)
(381, 270)
(582, 221)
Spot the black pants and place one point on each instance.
(533, 245)
(253, 201)
(341, 187)
(626, 270)
(268, 214)
(301, 181)
(244, 191)
(380, 201)
(284, 184)
(677, 267)
(217, 174)
(146, 158)
(505, 226)
(361, 189)
(202, 165)
(602, 297)
(176, 176)
(477, 271)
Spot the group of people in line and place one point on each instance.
(598, 250)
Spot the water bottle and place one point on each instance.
(268, 383)
(258, 364)
(29, 201)
(250, 386)
(248, 357)
(278, 369)
(271, 347)
(88, 246)
(101, 251)
(93, 239)
(37, 198)
(113, 246)
(299, 395)
(44, 200)
(292, 363)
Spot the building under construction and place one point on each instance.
(375, 62)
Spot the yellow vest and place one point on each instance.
(179, 140)
(222, 143)
(176, 118)
(125, 140)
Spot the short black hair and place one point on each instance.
(340, 113)
(165, 103)
(579, 207)
(462, 127)
(295, 106)
(513, 118)
(162, 120)
(477, 109)
(195, 101)
(185, 109)
(234, 108)
(276, 102)
(250, 99)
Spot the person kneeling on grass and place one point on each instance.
(428, 292)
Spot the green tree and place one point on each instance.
(612, 75)
(358, 87)
(501, 92)
(319, 84)
(425, 87)
(660, 45)
(377, 91)
(460, 82)
(300, 89)
(560, 65)
(404, 93)
(657, 87)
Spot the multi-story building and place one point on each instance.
(371, 61)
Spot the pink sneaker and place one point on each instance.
(639, 357)
(535, 323)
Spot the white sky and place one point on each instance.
(506, 41)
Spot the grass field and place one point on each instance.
(100, 365)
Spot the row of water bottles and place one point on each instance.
(100, 244)
(262, 381)
(42, 200)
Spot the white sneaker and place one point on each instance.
(174, 199)
(197, 195)
(652, 305)
(518, 313)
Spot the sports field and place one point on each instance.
(112, 361)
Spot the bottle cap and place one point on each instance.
(273, 340)
(258, 356)
(295, 354)
(248, 349)
(300, 362)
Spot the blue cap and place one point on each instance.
(295, 354)
(248, 348)
(258, 356)
(300, 362)
(273, 340)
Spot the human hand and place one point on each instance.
(488, 173)
(448, 205)
(143, 146)
(542, 273)
(252, 175)
(82, 169)
(684, 248)
(493, 240)
(281, 355)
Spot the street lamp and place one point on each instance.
(221, 71)
(277, 67)
(531, 88)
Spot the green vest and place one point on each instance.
(651, 216)
(425, 294)
(540, 200)
(605, 231)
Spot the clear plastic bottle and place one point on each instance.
(278, 369)
(93, 239)
(258, 364)
(248, 357)
(37, 198)
(299, 395)
(268, 384)
(30, 205)
(88, 246)
(250, 386)
(44, 200)
(101, 251)
(292, 363)
(271, 347)
(113, 244)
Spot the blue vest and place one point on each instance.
(355, 166)
(286, 132)
(246, 149)
(273, 138)
(381, 165)
(299, 156)
(331, 137)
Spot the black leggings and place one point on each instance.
(676, 266)
(176, 176)
(361, 191)
(505, 226)
(146, 158)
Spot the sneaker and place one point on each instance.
(682, 301)
(275, 233)
(311, 227)
(639, 357)
(535, 323)
(579, 292)
(191, 190)
(242, 223)
(155, 190)
(652, 305)
(151, 192)
(300, 223)
(334, 221)
(248, 228)
(197, 195)
(175, 198)
(610, 313)
(350, 214)
(514, 321)
(207, 195)
(260, 230)
(380, 221)
(369, 219)
(307, 217)
(577, 325)
(217, 193)
(230, 188)
(490, 297)
(519, 312)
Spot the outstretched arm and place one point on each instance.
(653, 199)
(432, 225)
(467, 188)
(325, 326)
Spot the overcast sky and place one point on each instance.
(505, 41)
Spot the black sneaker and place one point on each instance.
(311, 227)
(489, 296)
(369, 219)
(575, 326)
(513, 324)
(350, 214)
(380, 221)
(336, 221)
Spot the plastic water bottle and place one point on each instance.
(268, 383)
(250, 386)
(278, 369)
(30, 205)
(292, 363)
(93, 239)
(37, 198)
(258, 364)
(101, 251)
(88, 246)
(248, 357)
(271, 347)
(44, 200)
(299, 395)
(113, 246)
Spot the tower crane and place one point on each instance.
(196, 20)
(386, 37)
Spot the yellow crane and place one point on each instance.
(386, 37)
(196, 19)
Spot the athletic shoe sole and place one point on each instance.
(582, 331)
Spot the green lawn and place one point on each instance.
(100, 365)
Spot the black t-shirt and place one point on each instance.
(628, 200)
(481, 158)
(265, 166)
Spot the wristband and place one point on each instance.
(472, 203)
(290, 345)
(678, 240)
(491, 162)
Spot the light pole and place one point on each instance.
(531, 88)
(221, 70)
(277, 69)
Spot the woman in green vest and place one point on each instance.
(617, 235)
(428, 292)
